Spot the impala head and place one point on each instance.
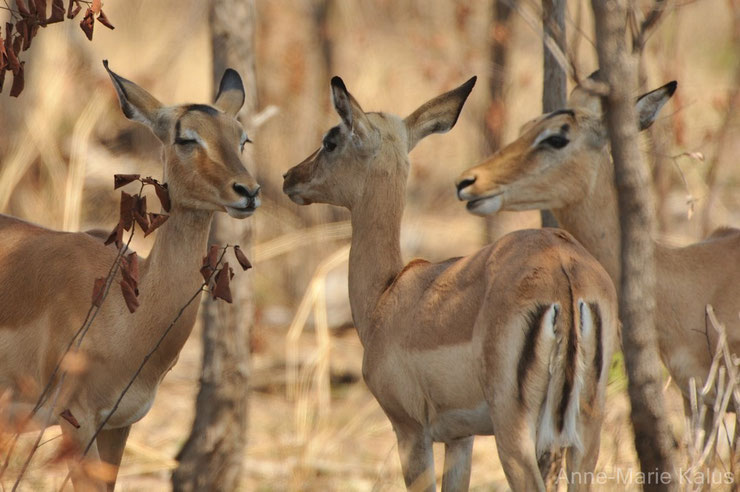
(555, 160)
(203, 145)
(368, 149)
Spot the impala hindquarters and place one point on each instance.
(561, 161)
(514, 339)
(46, 278)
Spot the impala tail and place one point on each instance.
(565, 331)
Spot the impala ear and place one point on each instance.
(350, 111)
(230, 97)
(649, 105)
(136, 103)
(584, 99)
(438, 115)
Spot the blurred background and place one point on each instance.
(313, 424)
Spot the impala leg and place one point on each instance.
(417, 458)
(458, 457)
(581, 464)
(79, 469)
(516, 450)
(111, 444)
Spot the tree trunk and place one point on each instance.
(495, 117)
(554, 96)
(213, 455)
(653, 440)
(555, 80)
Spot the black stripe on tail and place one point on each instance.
(598, 356)
(570, 360)
(534, 326)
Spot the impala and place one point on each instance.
(515, 339)
(561, 161)
(46, 278)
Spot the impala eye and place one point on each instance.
(185, 141)
(556, 141)
(245, 141)
(329, 146)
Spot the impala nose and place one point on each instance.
(464, 183)
(245, 191)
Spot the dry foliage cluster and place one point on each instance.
(24, 26)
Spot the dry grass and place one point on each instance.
(314, 425)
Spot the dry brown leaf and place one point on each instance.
(155, 220)
(97, 295)
(128, 202)
(103, 19)
(21, 27)
(22, 8)
(57, 12)
(133, 262)
(116, 236)
(130, 271)
(143, 222)
(242, 258)
(163, 194)
(67, 415)
(87, 24)
(222, 290)
(40, 11)
(129, 295)
(124, 179)
(213, 254)
(18, 81)
(73, 9)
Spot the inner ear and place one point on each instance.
(649, 105)
(342, 100)
(136, 103)
(230, 97)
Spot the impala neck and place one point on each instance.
(594, 220)
(170, 276)
(375, 254)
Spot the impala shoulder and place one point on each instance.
(412, 265)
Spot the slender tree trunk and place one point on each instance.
(212, 457)
(555, 80)
(496, 115)
(554, 96)
(653, 440)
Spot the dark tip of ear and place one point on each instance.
(107, 69)
(230, 81)
(468, 86)
(670, 87)
(338, 83)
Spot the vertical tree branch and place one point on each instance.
(554, 85)
(495, 116)
(653, 441)
(212, 457)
